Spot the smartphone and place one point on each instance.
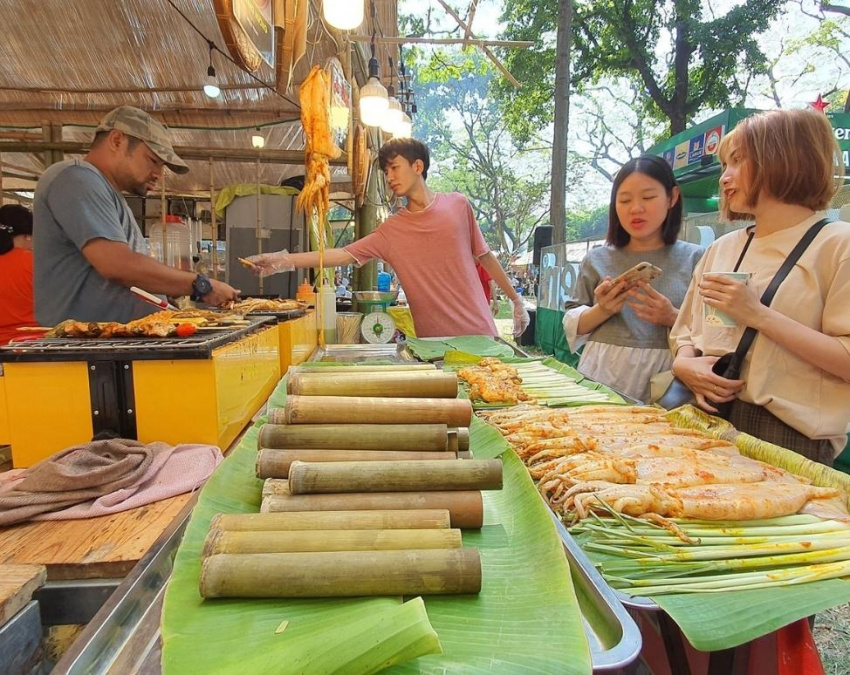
(643, 271)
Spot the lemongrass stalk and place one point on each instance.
(667, 569)
(726, 552)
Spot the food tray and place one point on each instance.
(359, 353)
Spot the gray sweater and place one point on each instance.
(625, 329)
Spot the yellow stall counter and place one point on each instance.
(208, 397)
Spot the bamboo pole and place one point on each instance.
(453, 412)
(335, 477)
(465, 507)
(462, 437)
(222, 541)
(419, 384)
(213, 224)
(519, 44)
(422, 519)
(418, 437)
(341, 574)
(275, 463)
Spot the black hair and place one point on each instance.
(14, 220)
(658, 169)
(409, 148)
(100, 137)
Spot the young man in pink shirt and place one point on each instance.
(432, 244)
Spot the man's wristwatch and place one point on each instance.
(201, 287)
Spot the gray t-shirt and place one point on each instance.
(74, 203)
(625, 329)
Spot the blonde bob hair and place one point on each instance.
(790, 155)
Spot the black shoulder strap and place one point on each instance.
(767, 297)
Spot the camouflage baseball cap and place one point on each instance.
(138, 124)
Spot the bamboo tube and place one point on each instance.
(418, 384)
(464, 454)
(462, 437)
(465, 507)
(341, 574)
(274, 463)
(413, 519)
(395, 368)
(401, 437)
(327, 478)
(453, 412)
(222, 541)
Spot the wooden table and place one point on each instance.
(95, 548)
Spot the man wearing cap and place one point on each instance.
(88, 249)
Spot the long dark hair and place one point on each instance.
(14, 220)
(658, 169)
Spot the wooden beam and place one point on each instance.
(265, 156)
(401, 40)
(470, 17)
(159, 111)
(484, 48)
(131, 90)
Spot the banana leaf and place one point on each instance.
(718, 621)
(479, 345)
(526, 618)
(239, 635)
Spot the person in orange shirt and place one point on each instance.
(16, 298)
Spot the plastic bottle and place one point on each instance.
(327, 297)
(174, 247)
(305, 293)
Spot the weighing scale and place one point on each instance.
(377, 326)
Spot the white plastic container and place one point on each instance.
(327, 299)
(174, 246)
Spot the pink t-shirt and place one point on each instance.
(433, 252)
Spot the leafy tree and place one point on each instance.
(474, 153)
(630, 38)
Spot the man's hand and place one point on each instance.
(649, 305)
(521, 318)
(266, 264)
(494, 305)
(220, 294)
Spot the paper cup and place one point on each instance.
(713, 316)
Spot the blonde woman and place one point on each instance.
(780, 170)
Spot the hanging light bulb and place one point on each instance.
(404, 128)
(211, 87)
(258, 141)
(343, 14)
(373, 95)
(392, 115)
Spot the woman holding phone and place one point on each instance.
(781, 169)
(623, 324)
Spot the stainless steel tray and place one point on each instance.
(612, 634)
(357, 353)
(579, 559)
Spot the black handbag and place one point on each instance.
(730, 364)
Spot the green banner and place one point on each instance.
(549, 336)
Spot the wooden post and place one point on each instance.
(162, 209)
(365, 222)
(52, 133)
(1, 180)
(257, 231)
(213, 224)
(557, 207)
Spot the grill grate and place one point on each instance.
(128, 349)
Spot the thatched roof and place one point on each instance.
(68, 62)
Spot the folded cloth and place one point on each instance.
(103, 477)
